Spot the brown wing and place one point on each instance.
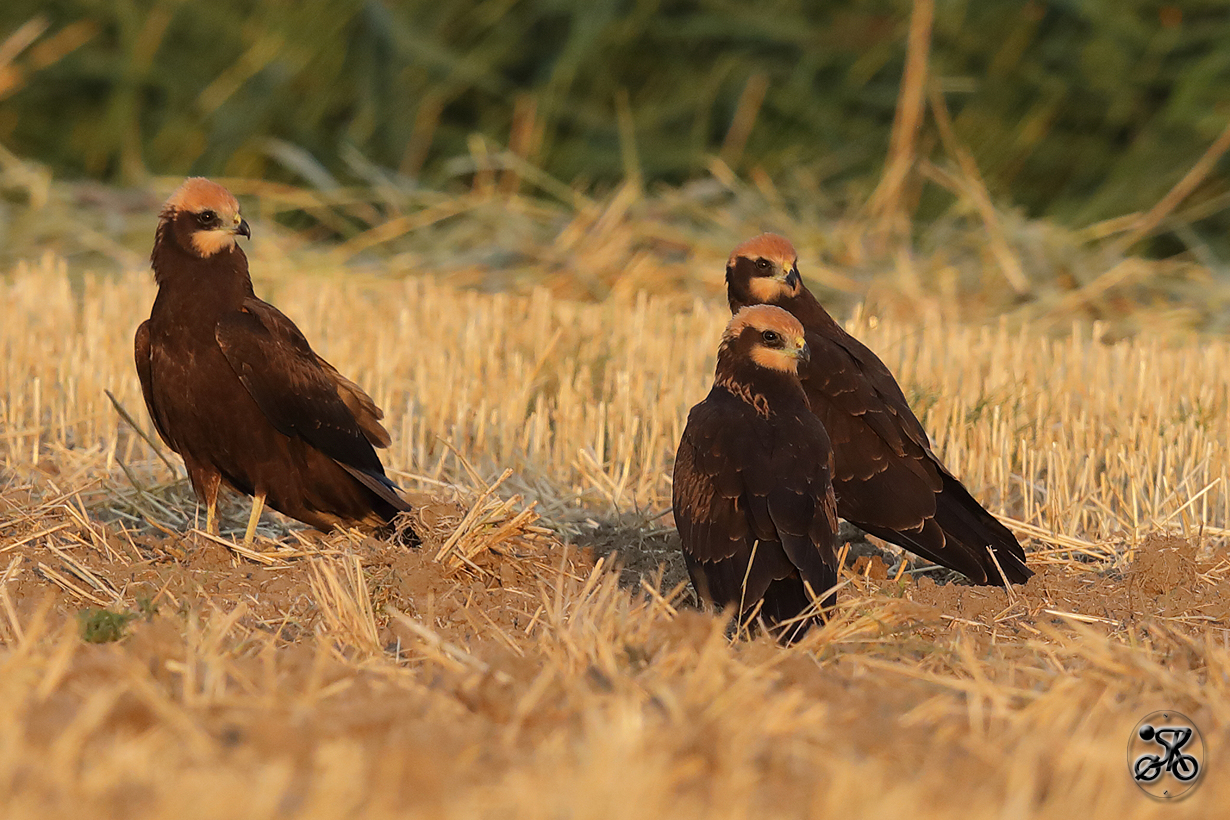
(887, 479)
(878, 448)
(754, 509)
(145, 372)
(301, 395)
(361, 406)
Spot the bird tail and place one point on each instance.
(785, 602)
(384, 489)
(958, 538)
(965, 521)
(391, 504)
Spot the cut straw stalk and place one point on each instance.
(1073, 438)
(887, 202)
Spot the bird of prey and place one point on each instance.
(234, 387)
(887, 479)
(752, 495)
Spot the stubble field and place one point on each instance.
(507, 669)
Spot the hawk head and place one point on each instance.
(763, 270)
(768, 336)
(202, 218)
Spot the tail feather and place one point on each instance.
(781, 601)
(930, 543)
(380, 485)
(965, 521)
(958, 537)
(389, 504)
(784, 602)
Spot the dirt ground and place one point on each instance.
(184, 573)
(346, 674)
(540, 656)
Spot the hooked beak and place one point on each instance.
(242, 228)
(803, 353)
(792, 278)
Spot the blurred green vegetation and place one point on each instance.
(1081, 110)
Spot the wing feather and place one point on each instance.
(300, 394)
(854, 379)
(145, 372)
(753, 506)
(888, 481)
(361, 406)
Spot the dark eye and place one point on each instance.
(771, 337)
(763, 264)
(207, 218)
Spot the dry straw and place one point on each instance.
(1081, 439)
(496, 672)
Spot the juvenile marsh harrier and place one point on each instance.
(753, 499)
(234, 387)
(887, 479)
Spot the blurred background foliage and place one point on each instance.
(1069, 159)
(1078, 109)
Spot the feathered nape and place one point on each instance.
(766, 246)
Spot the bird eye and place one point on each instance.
(207, 218)
(763, 264)
(771, 337)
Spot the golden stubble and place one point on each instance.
(497, 672)
(1083, 440)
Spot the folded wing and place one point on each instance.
(755, 512)
(302, 395)
(888, 480)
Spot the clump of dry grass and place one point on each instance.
(670, 242)
(499, 672)
(1082, 439)
(599, 702)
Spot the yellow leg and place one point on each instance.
(211, 517)
(206, 484)
(258, 504)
